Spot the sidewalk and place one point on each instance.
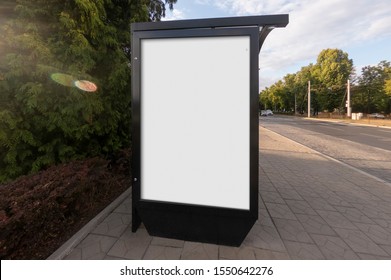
(310, 207)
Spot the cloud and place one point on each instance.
(314, 25)
(329, 24)
(175, 14)
(252, 7)
(203, 2)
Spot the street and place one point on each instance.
(363, 147)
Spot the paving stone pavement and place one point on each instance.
(310, 207)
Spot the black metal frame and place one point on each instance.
(267, 20)
(195, 222)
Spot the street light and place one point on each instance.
(349, 108)
(309, 99)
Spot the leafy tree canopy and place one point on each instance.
(333, 68)
(370, 93)
(52, 54)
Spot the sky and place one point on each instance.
(362, 28)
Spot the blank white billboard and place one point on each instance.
(195, 120)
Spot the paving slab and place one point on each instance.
(236, 253)
(114, 224)
(336, 219)
(264, 237)
(354, 215)
(272, 197)
(334, 248)
(262, 254)
(93, 247)
(318, 203)
(131, 245)
(376, 233)
(199, 251)
(278, 210)
(292, 230)
(300, 207)
(303, 251)
(125, 207)
(360, 242)
(155, 252)
(315, 224)
(167, 242)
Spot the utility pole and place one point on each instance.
(309, 99)
(349, 109)
(295, 105)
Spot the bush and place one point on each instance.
(41, 211)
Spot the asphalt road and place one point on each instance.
(363, 147)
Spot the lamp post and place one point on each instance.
(348, 109)
(309, 99)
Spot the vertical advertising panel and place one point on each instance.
(195, 128)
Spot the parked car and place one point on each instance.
(266, 113)
(376, 116)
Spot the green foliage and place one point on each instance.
(332, 70)
(371, 92)
(43, 122)
(281, 95)
(387, 87)
(157, 8)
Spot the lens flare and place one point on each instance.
(63, 79)
(70, 81)
(86, 85)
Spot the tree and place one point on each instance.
(387, 86)
(43, 122)
(332, 70)
(157, 9)
(281, 95)
(328, 83)
(372, 90)
(387, 90)
(302, 77)
(291, 92)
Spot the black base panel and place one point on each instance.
(190, 226)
